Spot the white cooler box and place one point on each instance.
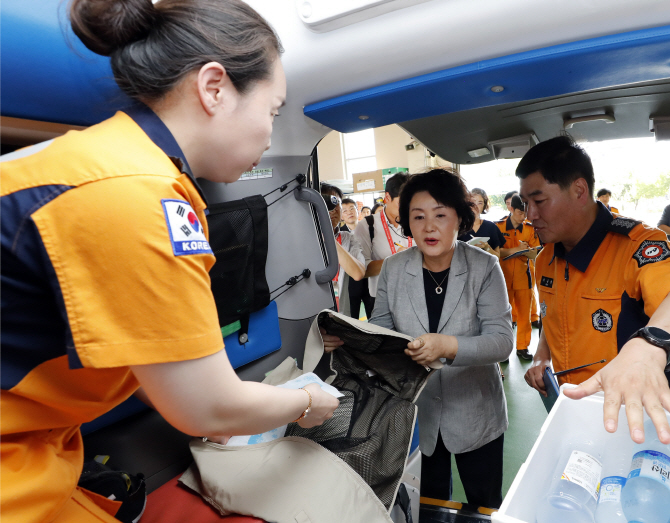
(569, 420)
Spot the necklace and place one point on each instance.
(438, 289)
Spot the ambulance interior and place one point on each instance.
(471, 81)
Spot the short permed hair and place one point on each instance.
(559, 160)
(482, 193)
(447, 188)
(603, 192)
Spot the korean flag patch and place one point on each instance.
(186, 233)
(651, 251)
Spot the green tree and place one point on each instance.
(640, 190)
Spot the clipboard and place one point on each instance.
(520, 253)
(478, 239)
(551, 386)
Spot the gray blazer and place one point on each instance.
(465, 399)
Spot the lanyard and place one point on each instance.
(339, 240)
(388, 236)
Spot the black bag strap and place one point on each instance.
(402, 500)
(371, 226)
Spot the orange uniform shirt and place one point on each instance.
(593, 298)
(517, 271)
(105, 264)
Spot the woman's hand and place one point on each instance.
(330, 343)
(429, 347)
(323, 406)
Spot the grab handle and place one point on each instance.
(311, 196)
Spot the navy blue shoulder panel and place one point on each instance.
(631, 318)
(34, 326)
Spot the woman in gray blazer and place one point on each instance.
(452, 298)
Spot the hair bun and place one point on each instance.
(107, 25)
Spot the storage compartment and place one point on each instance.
(569, 421)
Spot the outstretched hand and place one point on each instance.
(634, 378)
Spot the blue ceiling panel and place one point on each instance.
(47, 73)
(608, 61)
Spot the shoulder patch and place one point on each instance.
(623, 225)
(651, 251)
(186, 233)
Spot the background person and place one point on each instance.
(349, 255)
(92, 308)
(383, 237)
(604, 196)
(349, 214)
(519, 236)
(365, 211)
(602, 279)
(483, 228)
(451, 297)
(377, 208)
(508, 200)
(664, 222)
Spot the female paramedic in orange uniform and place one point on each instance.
(105, 257)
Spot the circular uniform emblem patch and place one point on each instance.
(602, 320)
(543, 309)
(651, 251)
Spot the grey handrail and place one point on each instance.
(311, 196)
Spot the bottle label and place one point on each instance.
(651, 464)
(610, 489)
(584, 470)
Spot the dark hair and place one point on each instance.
(559, 160)
(153, 47)
(517, 203)
(366, 207)
(603, 192)
(327, 188)
(394, 184)
(482, 193)
(375, 207)
(348, 200)
(509, 195)
(447, 188)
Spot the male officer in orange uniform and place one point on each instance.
(604, 289)
(519, 236)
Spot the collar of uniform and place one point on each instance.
(155, 129)
(581, 256)
(509, 226)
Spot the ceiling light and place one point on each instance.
(476, 153)
(363, 117)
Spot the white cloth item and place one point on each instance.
(379, 248)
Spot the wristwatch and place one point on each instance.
(657, 337)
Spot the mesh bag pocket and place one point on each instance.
(238, 235)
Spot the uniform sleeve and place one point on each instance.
(132, 295)
(648, 271)
(362, 234)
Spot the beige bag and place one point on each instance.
(346, 470)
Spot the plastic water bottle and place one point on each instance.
(616, 466)
(573, 494)
(646, 496)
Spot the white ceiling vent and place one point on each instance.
(325, 15)
(513, 147)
